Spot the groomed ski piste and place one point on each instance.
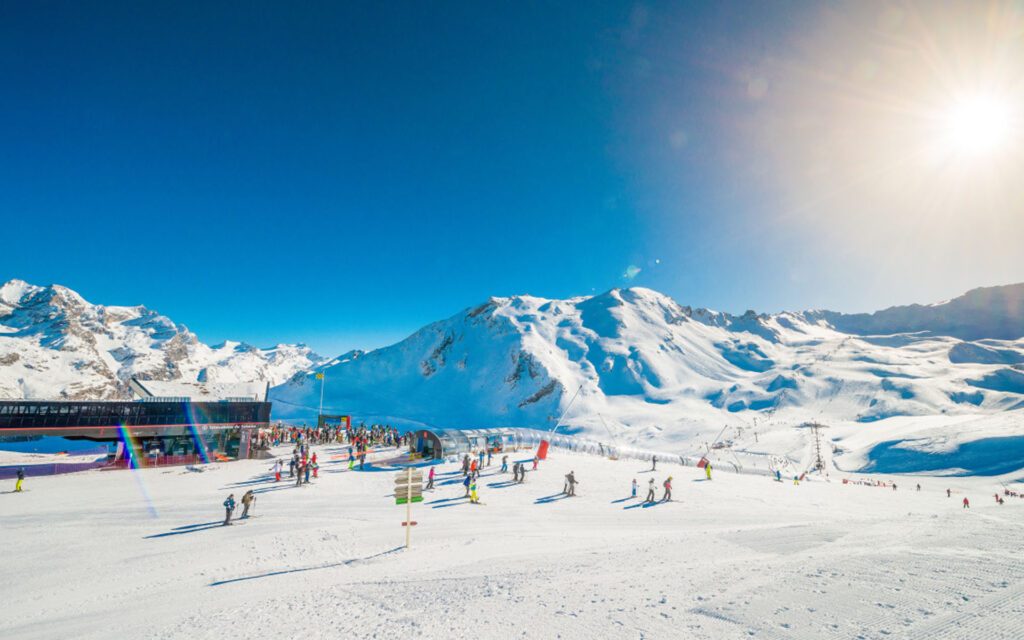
(143, 554)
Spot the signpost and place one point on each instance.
(408, 489)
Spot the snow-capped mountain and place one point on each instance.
(646, 367)
(56, 345)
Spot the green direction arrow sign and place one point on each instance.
(415, 498)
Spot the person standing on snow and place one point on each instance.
(650, 490)
(466, 482)
(247, 499)
(21, 479)
(572, 482)
(504, 464)
(480, 458)
(316, 468)
(277, 470)
(291, 466)
(919, 487)
(634, 489)
(430, 479)
(473, 497)
(707, 470)
(465, 464)
(949, 494)
(654, 463)
(229, 508)
(535, 461)
(489, 454)
(298, 474)
(668, 490)
(967, 503)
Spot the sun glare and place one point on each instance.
(979, 125)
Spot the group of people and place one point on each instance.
(651, 490)
(248, 500)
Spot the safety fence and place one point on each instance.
(738, 461)
(49, 469)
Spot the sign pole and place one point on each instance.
(322, 380)
(408, 509)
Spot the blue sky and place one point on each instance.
(343, 173)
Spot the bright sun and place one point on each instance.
(978, 125)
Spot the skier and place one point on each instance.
(489, 454)
(796, 479)
(362, 459)
(633, 495)
(473, 497)
(351, 462)
(277, 470)
(572, 482)
(919, 487)
(894, 486)
(247, 499)
(21, 479)
(465, 464)
(504, 464)
(430, 479)
(466, 482)
(480, 458)
(298, 475)
(949, 494)
(535, 461)
(967, 503)
(291, 466)
(668, 490)
(316, 468)
(650, 490)
(229, 508)
(707, 470)
(654, 463)
(472, 468)
(778, 476)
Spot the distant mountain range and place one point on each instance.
(638, 360)
(56, 345)
(642, 365)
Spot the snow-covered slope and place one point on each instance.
(649, 369)
(56, 345)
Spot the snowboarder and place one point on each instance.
(247, 499)
(707, 470)
(967, 503)
(229, 508)
(504, 464)
(668, 490)
(650, 491)
(21, 479)
(571, 482)
(430, 479)
(633, 494)
(654, 463)
(466, 482)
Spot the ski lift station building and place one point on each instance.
(443, 443)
